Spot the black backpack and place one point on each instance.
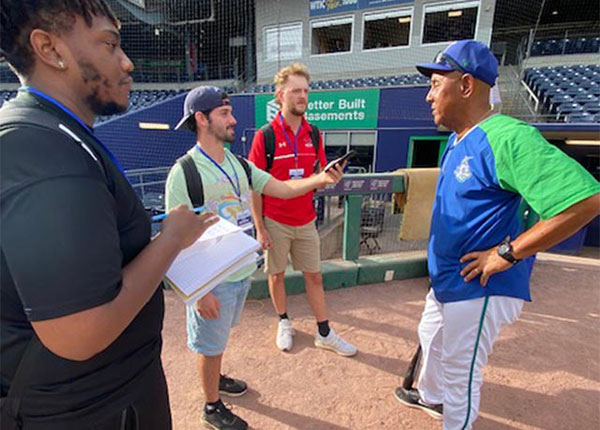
(193, 180)
(269, 140)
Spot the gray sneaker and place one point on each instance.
(412, 399)
(223, 419)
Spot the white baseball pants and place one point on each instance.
(456, 339)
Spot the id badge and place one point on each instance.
(244, 220)
(296, 173)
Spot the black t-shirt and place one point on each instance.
(67, 230)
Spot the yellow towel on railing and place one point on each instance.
(416, 202)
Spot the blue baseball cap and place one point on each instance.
(201, 99)
(467, 56)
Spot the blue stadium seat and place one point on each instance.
(6, 95)
(592, 107)
(539, 81)
(573, 91)
(585, 98)
(537, 48)
(559, 99)
(580, 117)
(565, 85)
(594, 89)
(568, 108)
(585, 83)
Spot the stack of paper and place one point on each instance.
(221, 251)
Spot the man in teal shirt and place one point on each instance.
(207, 111)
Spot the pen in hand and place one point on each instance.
(163, 216)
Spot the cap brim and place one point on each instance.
(182, 123)
(428, 69)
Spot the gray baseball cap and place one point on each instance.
(201, 99)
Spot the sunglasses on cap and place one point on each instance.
(445, 60)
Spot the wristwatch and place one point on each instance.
(505, 251)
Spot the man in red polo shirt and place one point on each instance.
(288, 226)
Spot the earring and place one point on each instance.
(61, 64)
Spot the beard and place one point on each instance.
(223, 135)
(90, 74)
(297, 111)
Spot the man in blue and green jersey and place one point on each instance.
(479, 258)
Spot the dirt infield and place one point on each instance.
(544, 372)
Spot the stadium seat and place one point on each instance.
(592, 107)
(574, 91)
(568, 108)
(558, 99)
(580, 117)
(585, 98)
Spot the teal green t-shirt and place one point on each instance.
(219, 194)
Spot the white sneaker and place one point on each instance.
(285, 331)
(334, 342)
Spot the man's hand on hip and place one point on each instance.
(484, 264)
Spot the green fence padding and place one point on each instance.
(381, 268)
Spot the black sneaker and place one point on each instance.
(232, 387)
(223, 419)
(412, 399)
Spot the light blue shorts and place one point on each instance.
(209, 336)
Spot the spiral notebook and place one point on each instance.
(220, 252)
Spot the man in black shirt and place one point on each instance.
(81, 314)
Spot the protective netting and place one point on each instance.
(366, 94)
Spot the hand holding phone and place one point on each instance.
(340, 160)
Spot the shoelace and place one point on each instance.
(286, 329)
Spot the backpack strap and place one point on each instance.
(246, 167)
(37, 118)
(269, 142)
(315, 136)
(193, 180)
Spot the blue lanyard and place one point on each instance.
(237, 190)
(78, 120)
(288, 139)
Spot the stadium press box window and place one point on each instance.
(448, 22)
(389, 29)
(283, 42)
(331, 36)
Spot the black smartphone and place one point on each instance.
(347, 156)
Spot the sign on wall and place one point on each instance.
(329, 110)
(326, 7)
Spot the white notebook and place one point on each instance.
(220, 252)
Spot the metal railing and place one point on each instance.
(354, 218)
(148, 183)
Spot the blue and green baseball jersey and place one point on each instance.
(482, 179)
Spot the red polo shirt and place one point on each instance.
(297, 211)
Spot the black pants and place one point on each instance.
(138, 416)
(149, 411)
